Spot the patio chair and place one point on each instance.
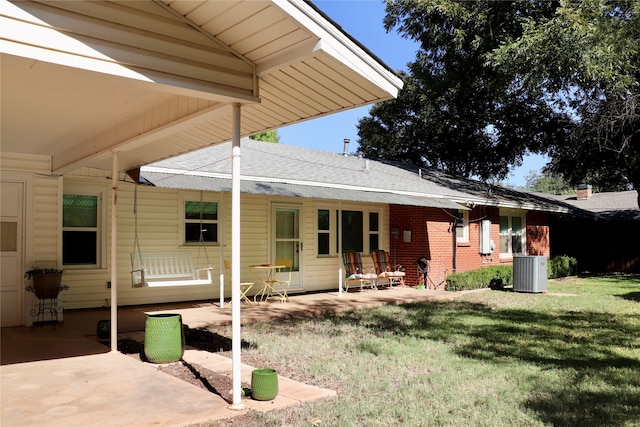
(244, 286)
(281, 279)
(355, 274)
(393, 275)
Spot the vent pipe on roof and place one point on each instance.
(345, 150)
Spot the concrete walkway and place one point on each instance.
(65, 376)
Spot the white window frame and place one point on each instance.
(100, 193)
(331, 231)
(462, 227)
(510, 214)
(335, 215)
(206, 198)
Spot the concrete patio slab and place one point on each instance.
(64, 376)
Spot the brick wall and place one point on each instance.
(432, 238)
(538, 233)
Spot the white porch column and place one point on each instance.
(235, 262)
(114, 252)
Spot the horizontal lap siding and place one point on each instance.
(158, 216)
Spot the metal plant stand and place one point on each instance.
(47, 309)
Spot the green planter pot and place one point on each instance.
(163, 338)
(264, 384)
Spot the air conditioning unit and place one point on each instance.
(529, 273)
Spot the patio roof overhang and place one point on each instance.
(207, 183)
(154, 79)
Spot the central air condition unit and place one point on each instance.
(529, 273)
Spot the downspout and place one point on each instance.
(114, 252)
(235, 262)
(454, 234)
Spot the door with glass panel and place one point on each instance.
(286, 239)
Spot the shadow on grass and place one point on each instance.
(630, 296)
(601, 386)
(200, 338)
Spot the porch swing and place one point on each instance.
(154, 270)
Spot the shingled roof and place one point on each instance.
(616, 205)
(280, 169)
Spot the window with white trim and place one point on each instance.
(200, 222)
(360, 231)
(374, 231)
(462, 227)
(82, 227)
(324, 231)
(512, 234)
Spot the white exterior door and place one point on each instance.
(286, 240)
(11, 253)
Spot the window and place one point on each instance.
(374, 231)
(324, 232)
(512, 235)
(360, 231)
(80, 230)
(462, 227)
(352, 231)
(200, 222)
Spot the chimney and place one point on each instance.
(345, 150)
(583, 192)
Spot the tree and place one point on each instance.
(457, 112)
(268, 136)
(548, 183)
(493, 81)
(586, 60)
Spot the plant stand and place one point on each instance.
(47, 309)
(264, 384)
(163, 338)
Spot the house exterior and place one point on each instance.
(456, 224)
(123, 85)
(94, 89)
(602, 232)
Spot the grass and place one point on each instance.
(567, 358)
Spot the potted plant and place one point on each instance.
(46, 281)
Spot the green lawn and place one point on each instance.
(567, 358)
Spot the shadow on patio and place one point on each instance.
(66, 376)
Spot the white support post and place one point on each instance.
(236, 363)
(221, 290)
(340, 282)
(114, 252)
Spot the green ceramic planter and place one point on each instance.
(163, 338)
(264, 384)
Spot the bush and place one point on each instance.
(562, 266)
(478, 279)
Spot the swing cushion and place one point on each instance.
(173, 270)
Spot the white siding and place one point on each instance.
(159, 225)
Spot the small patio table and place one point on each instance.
(266, 273)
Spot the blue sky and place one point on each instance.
(362, 19)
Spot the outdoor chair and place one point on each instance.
(355, 274)
(281, 279)
(392, 275)
(244, 286)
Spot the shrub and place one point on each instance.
(561, 266)
(482, 278)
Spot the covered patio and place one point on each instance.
(107, 87)
(65, 376)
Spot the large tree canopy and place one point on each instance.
(494, 80)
